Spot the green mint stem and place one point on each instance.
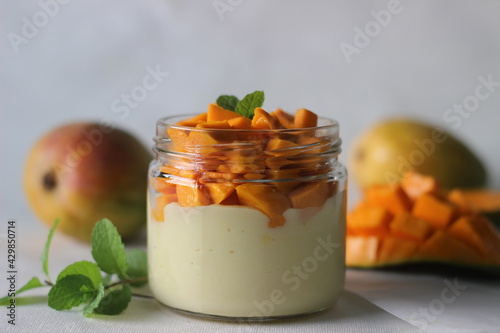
(45, 254)
(142, 295)
(117, 283)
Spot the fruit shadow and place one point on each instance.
(138, 310)
(349, 308)
(480, 274)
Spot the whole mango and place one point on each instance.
(385, 152)
(82, 172)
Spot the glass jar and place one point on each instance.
(246, 224)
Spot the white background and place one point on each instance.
(88, 54)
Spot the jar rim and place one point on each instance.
(170, 122)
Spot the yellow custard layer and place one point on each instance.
(226, 261)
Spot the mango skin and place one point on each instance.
(83, 172)
(386, 151)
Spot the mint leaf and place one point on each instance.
(86, 268)
(108, 249)
(70, 291)
(45, 254)
(228, 102)
(137, 266)
(115, 302)
(251, 101)
(31, 284)
(89, 309)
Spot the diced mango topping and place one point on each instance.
(286, 120)
(311, 194)
(192, 196)
(245, 167)
(192, 122)
(305, 118)
(217, 113)
(240, 123)
(220, 191)
(160, 202)
(265, 198)
(242, 161)
(263, 120)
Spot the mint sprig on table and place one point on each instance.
(83, 282)
(246, 106)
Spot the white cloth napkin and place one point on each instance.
(374, 301)
(352, 313)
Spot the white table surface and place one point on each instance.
(373, 301)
